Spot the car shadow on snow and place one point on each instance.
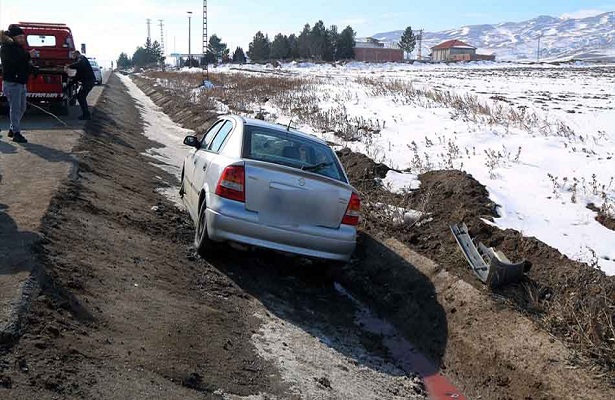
(330, 310)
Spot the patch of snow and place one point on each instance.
(398, 182)
(161, 129)
(307, 360)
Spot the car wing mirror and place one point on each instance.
(192, 141)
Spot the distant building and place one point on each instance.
(456, 50)
(373, 50)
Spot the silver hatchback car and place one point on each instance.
(262, 184)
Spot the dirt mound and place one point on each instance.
(572, 300)
(362, 168)
(197, 117)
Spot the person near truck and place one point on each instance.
(16, 68)
(85, 75)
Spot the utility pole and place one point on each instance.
(419, 55)
(149, 29)
(162, 52)
(189, 38)
(538, 52)
(161, 36)
(205, 44)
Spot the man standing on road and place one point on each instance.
(86, 76)
(16, 68)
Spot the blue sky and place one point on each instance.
(112, 26)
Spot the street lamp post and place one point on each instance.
(189, 38)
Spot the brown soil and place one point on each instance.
(606, 221)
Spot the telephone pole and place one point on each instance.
(161, 36)
(205, 44)
(149, 29)
(538, 52)
(419, 55)
(189, 39)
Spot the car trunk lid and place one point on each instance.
(286, 196)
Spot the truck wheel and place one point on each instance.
(60, 108)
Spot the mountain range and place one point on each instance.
(590, 38)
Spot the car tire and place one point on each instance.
(202, 243)
(182, 191)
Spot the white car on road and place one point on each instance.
(97, 71)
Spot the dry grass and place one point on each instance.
(467, 107)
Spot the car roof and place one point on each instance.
(274, 126)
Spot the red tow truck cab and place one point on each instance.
(55, 46)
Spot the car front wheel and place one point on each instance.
(202, 243)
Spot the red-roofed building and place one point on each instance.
(456, 50)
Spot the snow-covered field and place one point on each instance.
(540, 137)
(543, 142)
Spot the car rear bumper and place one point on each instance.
(229, 221)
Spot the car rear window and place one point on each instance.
(292, 150)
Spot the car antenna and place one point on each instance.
(288, 126)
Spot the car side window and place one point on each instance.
(209, 135)
(223, 133)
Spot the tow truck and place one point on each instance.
(53, 86)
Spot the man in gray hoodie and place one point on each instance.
(16, 69)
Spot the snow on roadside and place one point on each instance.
(315, 369)
(161, 129)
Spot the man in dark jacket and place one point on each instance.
(16, 68)
(86, 76)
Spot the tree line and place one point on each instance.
(312, 43)
(149, 54)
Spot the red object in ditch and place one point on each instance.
(440, 388)
(437, 385)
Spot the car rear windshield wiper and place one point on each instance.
(317, 167)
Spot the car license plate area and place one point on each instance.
(294, 207)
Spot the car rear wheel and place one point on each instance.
(202, 243)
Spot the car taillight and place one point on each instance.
(353, 211)
(232, 183)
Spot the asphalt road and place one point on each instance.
(30, 175)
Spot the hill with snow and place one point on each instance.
(590, 38)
